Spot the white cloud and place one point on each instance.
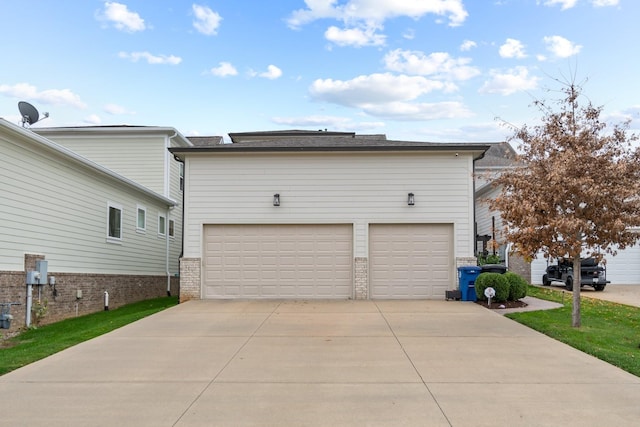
(150, 58)
(50, 96)
(115, 109)
(206, 20)
(272, 73)
(224, 69)
(467, 45)
(514, 80)
(377, 11)
(373, 89)
(326, 122)
(568, 4)
(564, 4)
(561, 47)
(356, 37)
(93, 119)
(512, 48)
(409, 34)
(388, 96)
(407, 111)
(439, 64)
(121, 17)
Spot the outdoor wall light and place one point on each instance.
(276, 199)
(411, 199)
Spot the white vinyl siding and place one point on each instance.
(56, 207)
(356, 188)
(140, 158)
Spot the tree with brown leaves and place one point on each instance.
(578, 193)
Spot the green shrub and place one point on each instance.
(496, 281)
(488, 259)
(517, 286)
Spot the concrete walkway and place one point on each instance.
(316, 363)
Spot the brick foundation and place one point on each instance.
(123, 289)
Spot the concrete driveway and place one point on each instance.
(321, 363)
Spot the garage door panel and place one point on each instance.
(410, 260)
(278, 261)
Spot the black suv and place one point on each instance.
(591, 273)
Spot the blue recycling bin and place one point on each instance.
(467, 282)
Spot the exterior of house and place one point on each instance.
(623, 269)
(97, 229)
(141, 154)
(299, 214)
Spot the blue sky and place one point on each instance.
(424, 70)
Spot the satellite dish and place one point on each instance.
(29, 113)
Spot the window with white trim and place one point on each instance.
(114, 222)
(162, 225)
(141, 219)
(171, 228)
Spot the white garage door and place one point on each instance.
(410, 261)
(278, 261)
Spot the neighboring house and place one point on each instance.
(489, 236)
(141, 154)
(488, 223)
(300, 214)
(624, 268)
(97, 229)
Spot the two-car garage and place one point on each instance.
(307, 261)
(326, 215)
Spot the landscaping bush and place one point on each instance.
(496, 281)
(517, 286)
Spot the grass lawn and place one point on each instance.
(609, 331)
(36, 344)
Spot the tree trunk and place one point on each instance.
(577, 279)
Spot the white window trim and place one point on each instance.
(172, 235)
(162, 233)
(112, 239)
(138, 228)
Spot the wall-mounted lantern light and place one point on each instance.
(276, 199)
(411, 199)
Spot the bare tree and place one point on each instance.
(578, 192)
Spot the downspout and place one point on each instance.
(168, 190)
(166, 235)
(473, 189)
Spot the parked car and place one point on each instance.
(591, 273)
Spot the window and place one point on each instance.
(114, 222)
(171, 226)
(141, 224)
(181, 176)
(162, 225)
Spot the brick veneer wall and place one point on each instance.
(122, 289)
(361, 273)
(189, 279)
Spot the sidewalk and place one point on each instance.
(321, 363)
